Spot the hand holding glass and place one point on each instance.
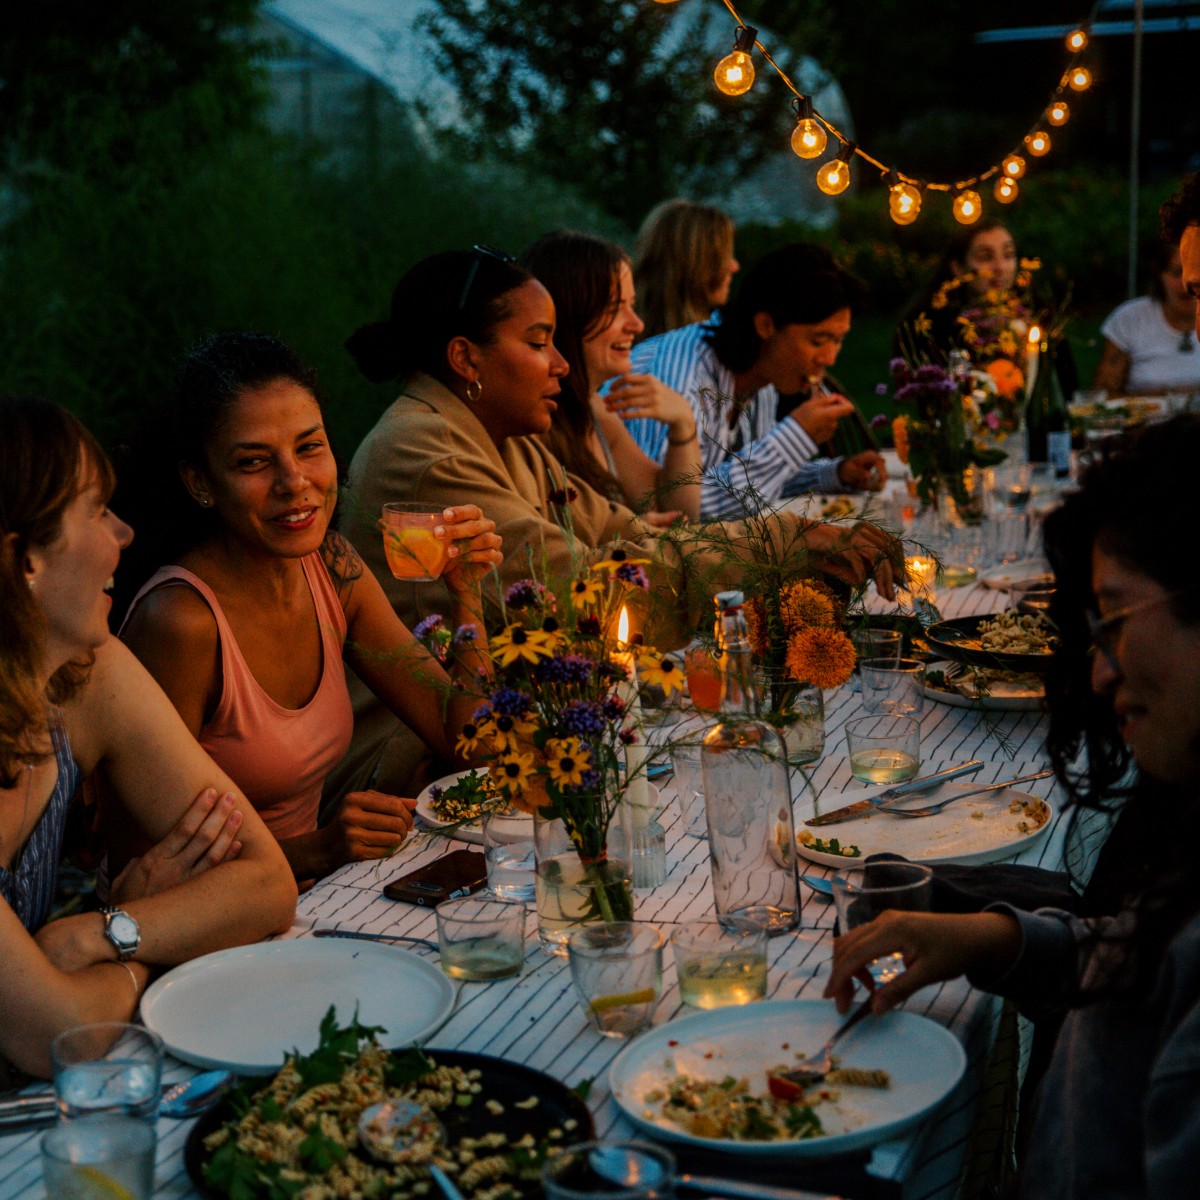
(863, 893)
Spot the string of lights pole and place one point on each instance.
(734, 75)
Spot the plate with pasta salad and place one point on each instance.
(1010, 641)
(714, 1079)
(455, 802)
(493, 1123)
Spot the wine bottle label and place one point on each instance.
(1058, 451)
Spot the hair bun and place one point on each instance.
(373, 348)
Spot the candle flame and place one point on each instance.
(1035, 335)
(623, 627)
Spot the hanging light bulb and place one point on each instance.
(833, 178)
(1013, 166)
(1038, 143)
(904, 199)
(967, 207)
(1079, 80)
(1005, 190)
(1058, 113)
(1077, 40)
(735, 72)
(809, 137)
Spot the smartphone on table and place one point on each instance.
(459, 873)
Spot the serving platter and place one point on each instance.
(958, 638)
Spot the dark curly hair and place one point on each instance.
(1181, 210)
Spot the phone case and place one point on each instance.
(459, 873)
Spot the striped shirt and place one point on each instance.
(754, 452)
(28, 885)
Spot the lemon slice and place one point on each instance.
(90, 1183)
(604, 1003)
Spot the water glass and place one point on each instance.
(689, 786)
(617, 969)
(572, 1174)
(109, 1067)
(99, 1155)
(877, 643)
(891, 687)
(884, 749)
(720, 965)
(481, 939)
(862, 893)
(647, 855)
(508, 849)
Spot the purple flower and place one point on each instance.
(589, 780)
(435, 791)
(524, 594)
(910, 391)
(930, 373)
(481, 713)
(881, 389)
(613, 708)
(465, 634)
(992, 420)
(583, 718)
(628, 736)
(632, 573)
(428, 625)
(899, 370)
(879, 420)
(569, 668)
(509, 701)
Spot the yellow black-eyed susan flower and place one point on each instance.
(517, 643)
(659, 670)
(566, 761)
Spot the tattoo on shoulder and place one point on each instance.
(342, 561)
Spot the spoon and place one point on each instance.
(192, 1096)
(625, 1167)
(393, 1131)
(822, 886)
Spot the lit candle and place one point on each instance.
(922, 573)
(1032, 351)
(637, 793)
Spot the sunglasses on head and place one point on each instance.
(478, 254)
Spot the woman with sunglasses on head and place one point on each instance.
(74, 702)
(591, 284)
(247, 629)
(470, 337)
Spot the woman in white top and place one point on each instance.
(1150, 343)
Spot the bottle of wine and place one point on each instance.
(1047, 422)
(747, 794)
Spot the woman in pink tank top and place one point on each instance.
(248, 628)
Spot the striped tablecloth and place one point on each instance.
(534, 1019)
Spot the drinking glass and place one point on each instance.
(884, 749)
(617, 970)
(1011, 487)
(703, 679)
(572, 1174)
(481, 939)
(874, 643)
(720, 965)
(862, 893)
(109, 1067)
(508, 848)
(413, 553)
(893, 687)
(99, 1155)
(689, 786)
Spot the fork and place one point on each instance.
(815, 1067)
(928, 810)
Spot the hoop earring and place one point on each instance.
(474, 391)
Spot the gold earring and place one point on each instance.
(473, 395)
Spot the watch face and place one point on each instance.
(124, 929)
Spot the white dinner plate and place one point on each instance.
(245, 1008)
(468, 831)
(1003, 695)
(924, 1061)
(1004, 577)
(979, 829)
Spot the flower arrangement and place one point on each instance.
(558, 713)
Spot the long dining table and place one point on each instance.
(535, 1019)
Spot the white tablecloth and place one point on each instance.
(534, 1019)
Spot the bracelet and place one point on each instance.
(137, 987)
(683, 441)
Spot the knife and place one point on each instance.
(862, 808)
(373, 937)
(36, 1109)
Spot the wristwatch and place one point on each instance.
(122, 930)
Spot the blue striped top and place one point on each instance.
(28, 885)
(754, 452)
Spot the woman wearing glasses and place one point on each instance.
(471, 338)
(1119, 1108)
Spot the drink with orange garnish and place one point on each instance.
(703, 679)
(413, 553)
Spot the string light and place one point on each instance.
(904, 199)
(809, 138)
(1077, 40)
(1006, 190)
(833, 177)
(1038, 143)
(735, 72)
(1013, 166)
(1058, 113)
(967, 207)
(1079, 79)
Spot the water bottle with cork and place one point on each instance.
(747, 794)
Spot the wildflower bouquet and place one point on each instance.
(557, 715)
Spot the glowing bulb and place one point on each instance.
(967, 207)
(1058, 113)
(1035, 334)
(1080, 79)
(809, 138)
(904, 203)
(734, 73)
(1013, 166)
(834, 177)
(1038, 143)
(1077, 39)
(1005, 190)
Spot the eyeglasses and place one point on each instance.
(1106, 631)
(478, 254)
